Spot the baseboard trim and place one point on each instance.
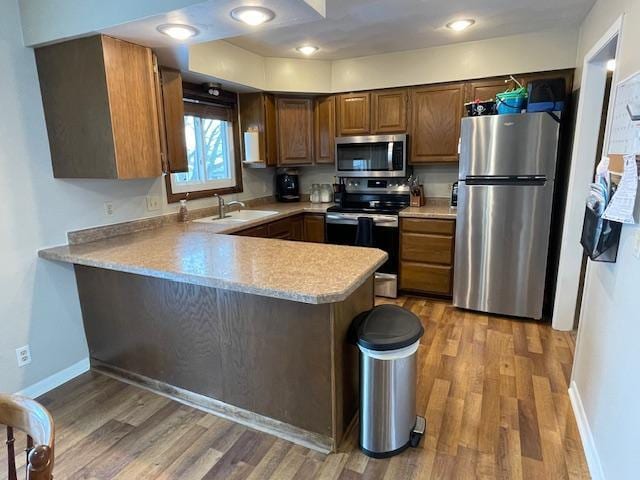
(588, 443)
(283, 430)
(55, 380)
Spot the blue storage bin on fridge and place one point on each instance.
(510, 102)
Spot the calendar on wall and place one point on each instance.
(625, 132)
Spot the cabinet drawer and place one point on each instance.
(419, 247)
(419, 225)
(426, 278)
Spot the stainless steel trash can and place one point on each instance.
(388, 338)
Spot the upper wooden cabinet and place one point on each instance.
(487, 89)
(258, 112)
(101, 108)
(172, 136)
(389, 111)
(295, 130)
(354, 114)
(436, 112)
(325, 129)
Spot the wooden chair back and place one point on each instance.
(29, 416)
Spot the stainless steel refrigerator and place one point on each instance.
(505, 197)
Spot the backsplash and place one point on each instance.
(437, 179)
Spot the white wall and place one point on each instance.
(38, 299)
(552, 50)
(605, 373)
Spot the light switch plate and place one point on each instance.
(108, 208)
(636, 244)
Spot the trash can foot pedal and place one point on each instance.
(418, 431)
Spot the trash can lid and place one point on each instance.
(389, 327)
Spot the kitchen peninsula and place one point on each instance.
(254, 329)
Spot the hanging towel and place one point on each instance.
(364, 232)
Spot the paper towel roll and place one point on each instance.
(251, 147)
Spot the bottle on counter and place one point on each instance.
(326, 193)
(183, 213)
(316, 195)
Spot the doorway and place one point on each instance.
(590, 140)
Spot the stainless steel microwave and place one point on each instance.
(371, 156)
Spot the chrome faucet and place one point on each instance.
(222, 206)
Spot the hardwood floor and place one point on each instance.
(493, 391)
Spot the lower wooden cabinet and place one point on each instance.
(314, 228)
(426, 255)
(292, 228)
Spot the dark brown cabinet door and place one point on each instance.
(172, 121)
(389, 111)
(325, 129)
(354, 114)
(314, 228)
(258, 113)
(295, 131)
(435, 123)
(487, 89)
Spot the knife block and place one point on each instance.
(417, 198)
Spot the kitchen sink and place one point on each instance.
(240, 216)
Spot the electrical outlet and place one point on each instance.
(108, 208)
(636, 245)
(153, 203)
(24, 355)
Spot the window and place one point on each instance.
(211, 153)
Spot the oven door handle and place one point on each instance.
(378, 221)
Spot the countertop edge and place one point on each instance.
(334, 297)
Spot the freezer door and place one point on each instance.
(502, 238)
(509, 145)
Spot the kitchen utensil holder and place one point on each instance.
(600, 237)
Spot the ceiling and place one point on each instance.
(355, 28)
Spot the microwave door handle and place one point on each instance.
(390, 156)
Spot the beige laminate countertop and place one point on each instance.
(433, 208)
(201, 254)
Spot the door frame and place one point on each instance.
(585, 144)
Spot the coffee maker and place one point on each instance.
(287, 186)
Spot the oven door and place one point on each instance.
(341, 230)
(371, 156)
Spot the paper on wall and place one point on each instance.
(621, 206)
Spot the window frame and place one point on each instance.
(209, 109)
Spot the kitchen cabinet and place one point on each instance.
(258, 113)
(354, 114)
(172, 136)
(426, 255)
(325, 129)
(314, 228)
(436, 112)
(286, 229)
(295, 130)
(389, 111)
(488, 89)
(101, 108)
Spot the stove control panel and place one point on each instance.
(377, 185)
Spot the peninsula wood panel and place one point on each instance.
(269, 356)
(354, 114)
(436, 113)
(389, 111)
(325, 129)
(102, 119)
(295, 131)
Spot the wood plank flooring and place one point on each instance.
(493, 391)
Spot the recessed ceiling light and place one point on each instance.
(178, 31)
(252, 15)
(459, 25)
(611, 65)
(307, 49)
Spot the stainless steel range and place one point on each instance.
(366, 215)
